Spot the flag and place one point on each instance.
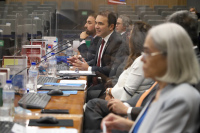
(120, 2)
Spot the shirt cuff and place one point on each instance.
(129, 113)
(83, 42)
(126, 104)
(89, 68)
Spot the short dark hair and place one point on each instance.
(112, 19)
(188, 21)
(93, 15)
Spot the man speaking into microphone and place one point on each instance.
(107, 47)
(89, 53)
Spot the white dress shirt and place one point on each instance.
(106, 40)
(131, 82)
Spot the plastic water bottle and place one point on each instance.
(69, 51)
(52, 65)
(32, 75)
(49, 51)
(43, 67)
(7, 110)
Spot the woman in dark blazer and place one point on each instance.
(169, 59)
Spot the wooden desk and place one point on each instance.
(74, 103)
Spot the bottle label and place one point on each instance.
(9, 95)
(33, 73)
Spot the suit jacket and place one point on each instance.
(108, 56)
(196, 50)
(133, 101)
(176, 111)
(124, 36)
(89, 53)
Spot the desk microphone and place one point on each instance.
(17, 52)
(44, 60)
(59, 47)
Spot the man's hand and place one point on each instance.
(81, 65)
(117, 107)
(83, 35)
(108, 97)
(116, 122)
(72, 59)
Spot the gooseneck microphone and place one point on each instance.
(43, 60)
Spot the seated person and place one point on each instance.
(193, 10)
(170, 60)
(89, 53)
(132, 81)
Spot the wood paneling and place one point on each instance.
(96, 3)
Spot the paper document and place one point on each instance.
(73, 81)
(20, 129)
(81, 72)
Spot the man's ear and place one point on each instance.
(111, 27)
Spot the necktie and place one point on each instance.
(139, 102)
(95, 82)
(99, 57)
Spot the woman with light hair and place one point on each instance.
(170, 60)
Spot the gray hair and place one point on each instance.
(125, 20)
(182, 64)
(188, 21)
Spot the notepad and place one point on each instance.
(73, 72)
(73, 81)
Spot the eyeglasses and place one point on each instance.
(145, 55)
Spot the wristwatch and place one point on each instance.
(107, 91)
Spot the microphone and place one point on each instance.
(59, 47)
(17, 52)
(44, 60)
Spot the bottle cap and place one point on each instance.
(49, 46)
(9, 81)
(33, 63)
(52, 53)
(55, 41)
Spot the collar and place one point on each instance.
(94, 36)
(123, 32)
(194, 47)
(107, 37)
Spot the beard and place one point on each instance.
(90, 32)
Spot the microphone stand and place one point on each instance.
(39, 62)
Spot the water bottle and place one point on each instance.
(7, 110)
(49, 51)
(43, 67)
(52, 65)
(32, 75)
(69, 51)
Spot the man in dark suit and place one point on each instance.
(97, 109)
(107, 47)
(122, 26)
(89, 53)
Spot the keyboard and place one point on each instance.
(34, 100)
(6, 126)
(62, 66)
(42, 79)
